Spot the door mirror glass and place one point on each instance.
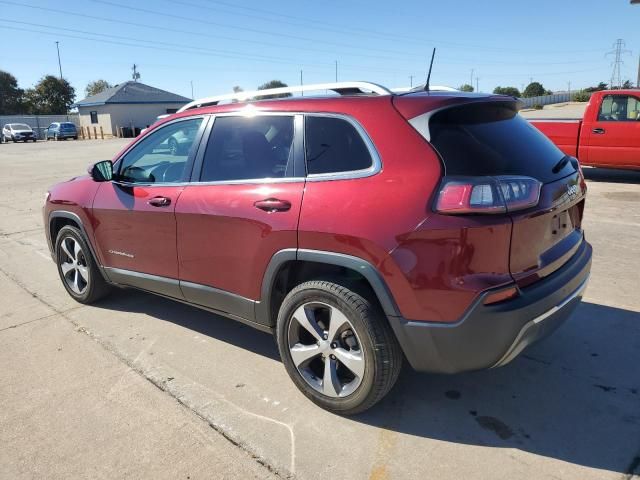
(102, 171)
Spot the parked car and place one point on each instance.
(62, 131)
(359, 229)
(18, 132)
(158, 118)
(607, 136)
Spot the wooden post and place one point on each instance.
(88, 132)
(82, 132)
(95, 133)
(101, 133)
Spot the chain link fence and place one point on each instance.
(40, 123)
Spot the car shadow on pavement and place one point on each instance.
(611, 176)
(574, 397)
(201, 321)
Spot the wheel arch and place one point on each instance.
(61, 218)
(291, 267)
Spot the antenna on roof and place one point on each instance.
(426, 85)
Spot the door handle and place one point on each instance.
(598, 131)
(159, 202)
(273, 205)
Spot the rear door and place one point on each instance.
(241, 208)
(134, 219)
(613, 137)
(491, 139)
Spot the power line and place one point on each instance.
(291, 45)
(173, 17)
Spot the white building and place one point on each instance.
(128, 105)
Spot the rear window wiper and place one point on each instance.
(560, 165)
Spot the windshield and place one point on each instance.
(19, 126)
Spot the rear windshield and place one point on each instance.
(492, 139)
(67, 126)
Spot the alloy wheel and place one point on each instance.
(325, 349)
(74, 265)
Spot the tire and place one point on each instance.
(360, 334)
(75, 138)
(77, 268)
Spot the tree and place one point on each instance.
(10, 95)
(97, 86)
(534, 89)
(601, 86)
(274, 84)
(627, 84)
(510, 91)
(51, 96)
(466, 88)
(237, 89)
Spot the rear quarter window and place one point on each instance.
(334, 145)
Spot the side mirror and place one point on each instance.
(101, 171)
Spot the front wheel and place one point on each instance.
(77, 268)
(337, 347)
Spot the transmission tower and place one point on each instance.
(618, 50)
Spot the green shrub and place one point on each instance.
(537, 106)
(581, 96)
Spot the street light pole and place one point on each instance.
(59, 64)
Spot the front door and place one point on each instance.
(242, 208)
(134, 220)
(614, 136)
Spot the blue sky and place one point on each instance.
(222, 43)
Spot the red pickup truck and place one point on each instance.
(607, 136)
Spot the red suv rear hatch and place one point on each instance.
(488, 139)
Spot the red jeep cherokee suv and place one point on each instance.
(360, 228)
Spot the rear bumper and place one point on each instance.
(492, 335)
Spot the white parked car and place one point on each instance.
(18, 132)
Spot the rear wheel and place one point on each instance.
(337, 347)
(77, 268)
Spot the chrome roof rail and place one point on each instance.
(342, 88)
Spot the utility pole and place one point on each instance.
(569, 90)
(477, 84)
(136, 74)
(192, 97)
(471, 78)
(410, 81)
(336, 71)
(301, 82)
(618, 51)
(59, 64)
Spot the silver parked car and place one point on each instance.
(18, 132)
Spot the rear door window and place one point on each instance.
(493, 139)
(334, 145)
(249, 148)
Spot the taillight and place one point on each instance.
(500, 194)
